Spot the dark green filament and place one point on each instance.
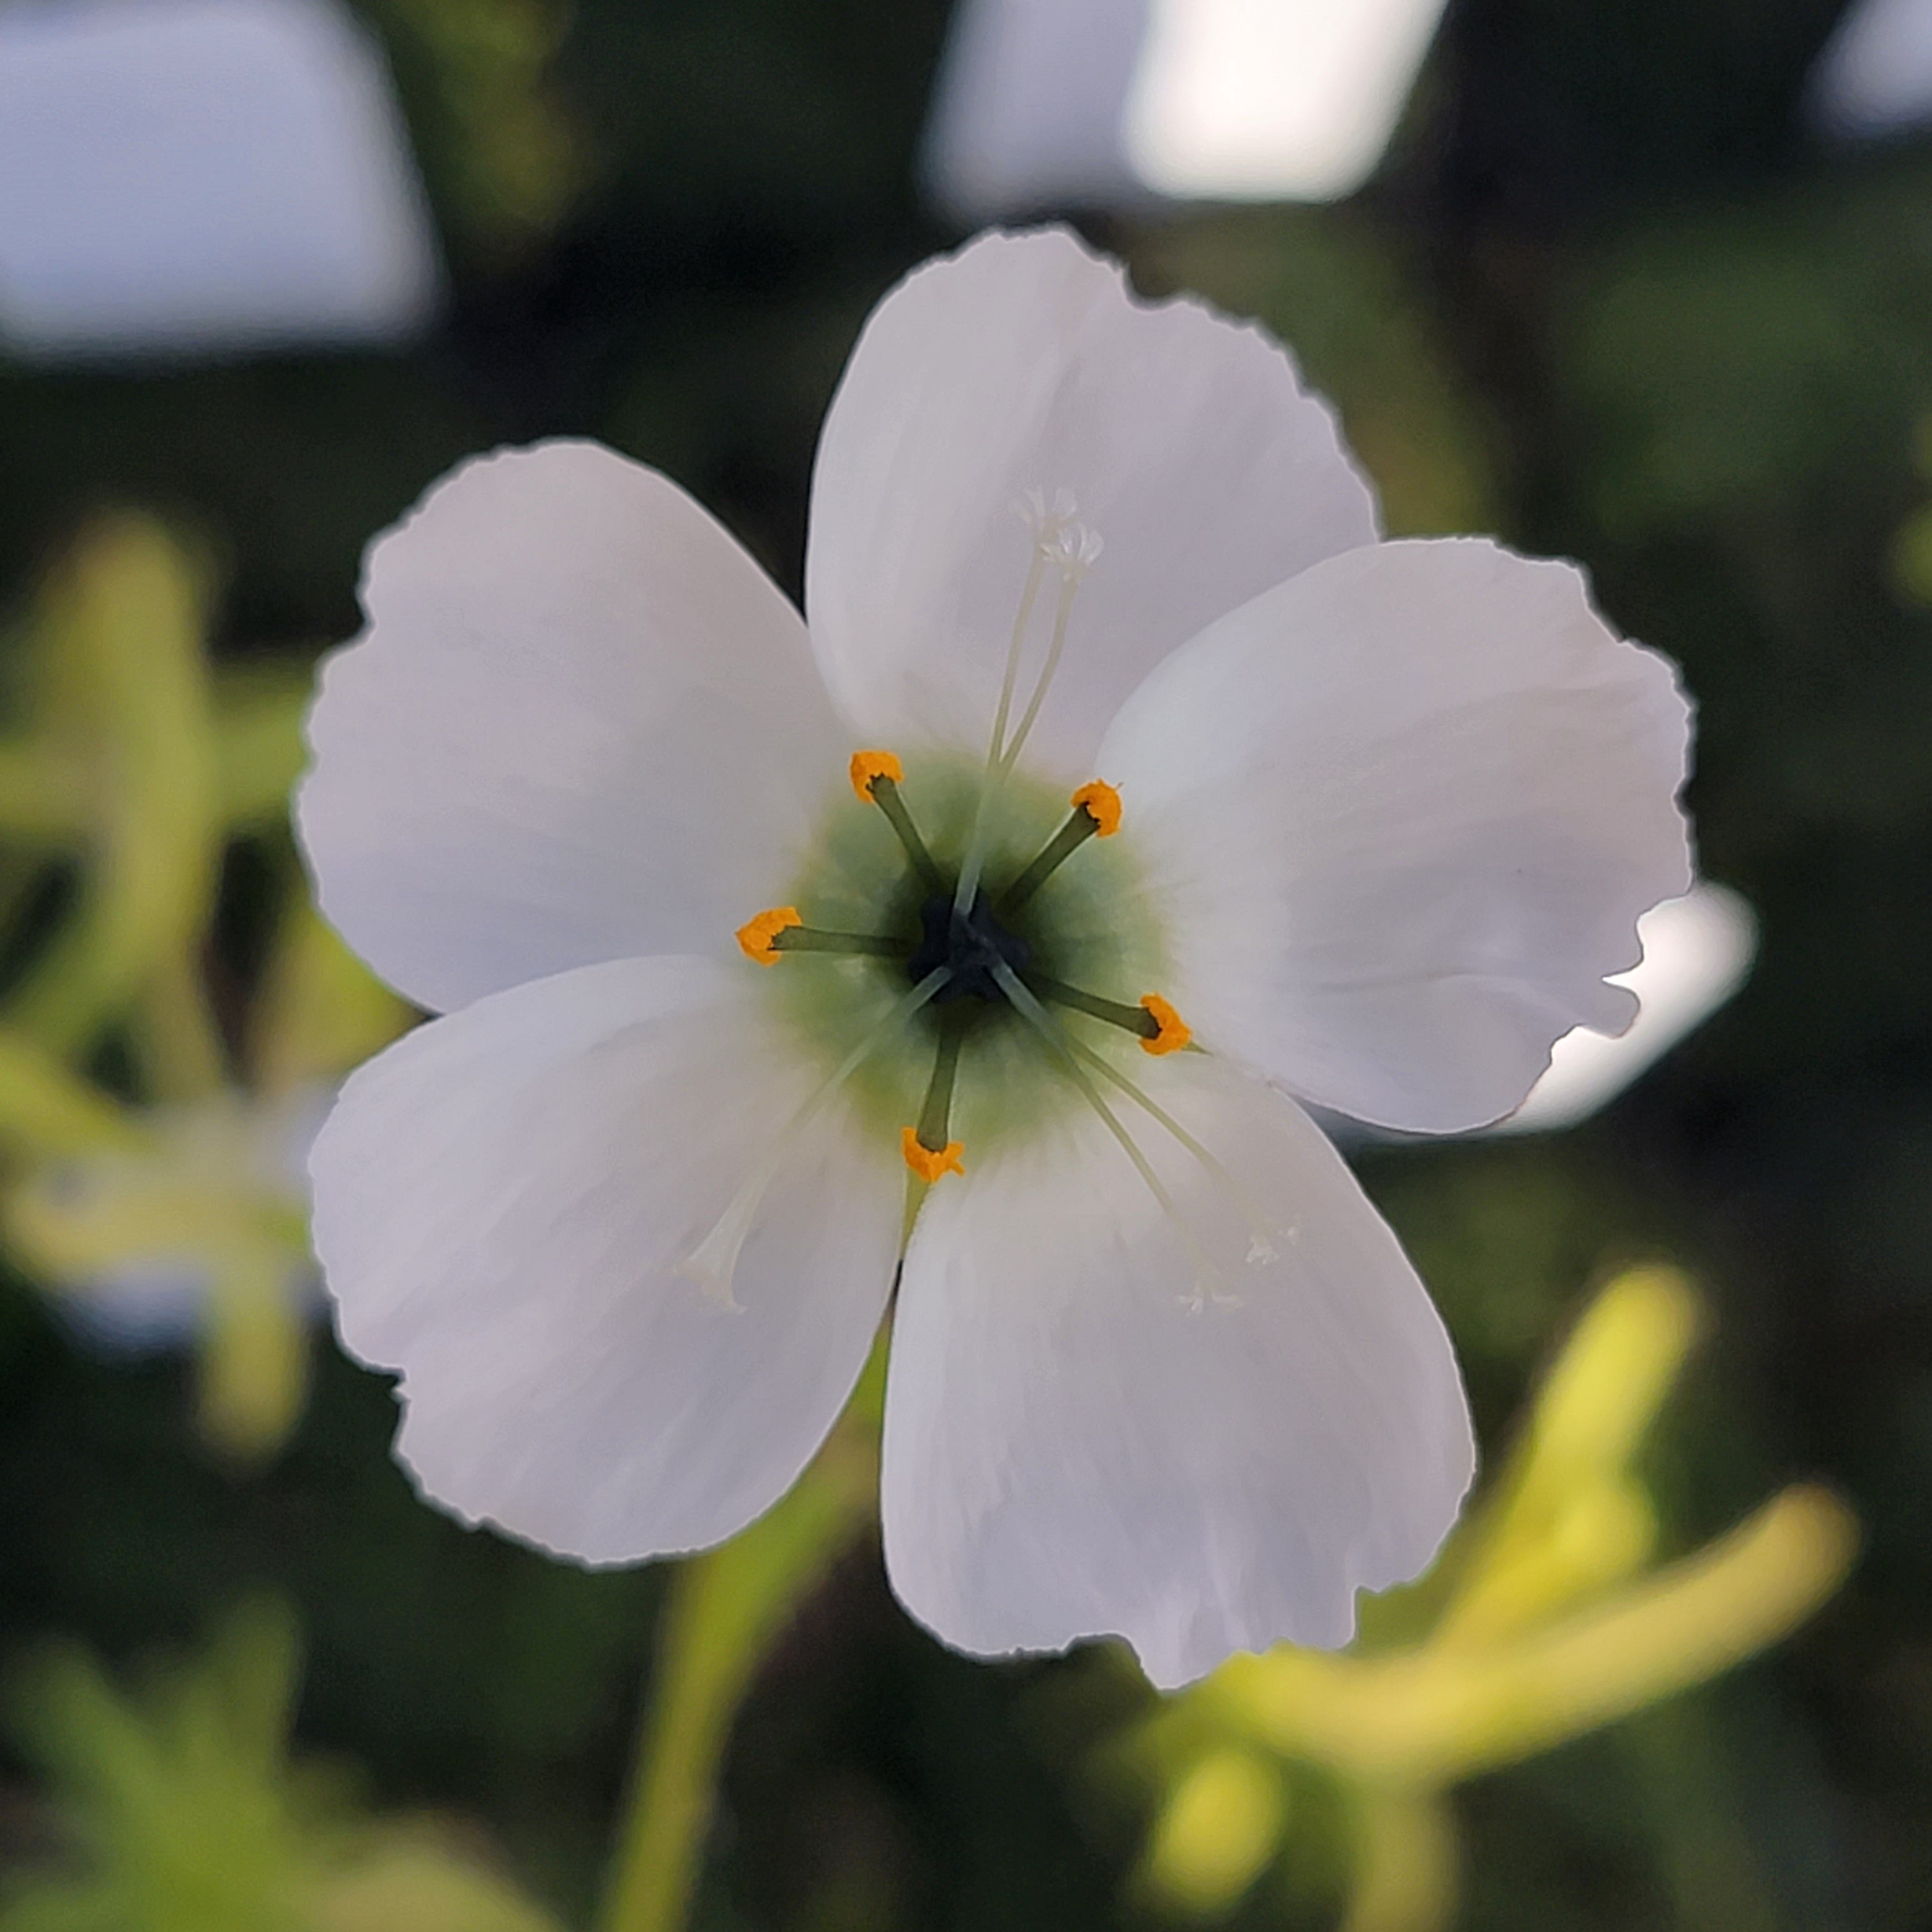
(1115, 1012)
(1071, 836)
(811, 939)
(937, 1114)
(885, 794)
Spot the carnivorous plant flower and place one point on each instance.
(981, 931)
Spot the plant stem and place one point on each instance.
(726, 1608)
(1407, 1861)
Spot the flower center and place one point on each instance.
(991, 926)
(953, 934)
(969, 945)
(940, 1019)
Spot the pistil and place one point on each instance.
(714, 1259)
(968, 882)
(1073, 561)
(1210, 1277)
(1263, 1229)
(1059, 543)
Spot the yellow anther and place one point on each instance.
(1175, 1032)
(1102, 804)
(757, 936)
(869, 765)
(928, 1165)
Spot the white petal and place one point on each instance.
(1073, 1449)
(582, 725)
(1402, 815)
(501, 1201)
(1022, 363)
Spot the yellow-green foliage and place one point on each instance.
(1544, 1619)
(135, 763)
(178, 1809)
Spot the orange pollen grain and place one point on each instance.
(1175, 1032)
(926, 1163)
(1102, 804)
(756, 935)
(868, 766)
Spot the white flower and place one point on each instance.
(627, 1220)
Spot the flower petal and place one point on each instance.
(1022, 363)
(1074, 1448)
(502, 1200)
(581, 725)
(1401, 816)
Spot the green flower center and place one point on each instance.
(984, 950)
(1059, 923)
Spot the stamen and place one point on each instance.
(781, 930)
(1101, 803)
(758, 938)
(928, 1151)
(714, 1260)
(1097, 814)
(813, 939)
(976, 843)
(1136, 1020)
(929, 1164)
(937, 1109)
(1159, 1029)
(1208, 1271)
(876, 777)
(1171, 1033)
(867, 767)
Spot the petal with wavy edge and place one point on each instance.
(1022, 363)
(1400, 816)
(582, 725)
(1073, 1447)
(501, 1200)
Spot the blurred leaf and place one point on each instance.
(46, 1112)
(122, 618)
(1216, 1833)
(1565, 1520)
(1339, 290)
(1407, 1856)
(44, 794)
(252, 1363)
(1435, 1717)
(1729, 358)
(1548, 1628)
(259, 750)
(177, 1798)
(410, 1880)
(1911, 557)
(726, 1607)
(320, 1012)
(497, 133)
(192, 1228)
(185, 1813)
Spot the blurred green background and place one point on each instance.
(1609, 295)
